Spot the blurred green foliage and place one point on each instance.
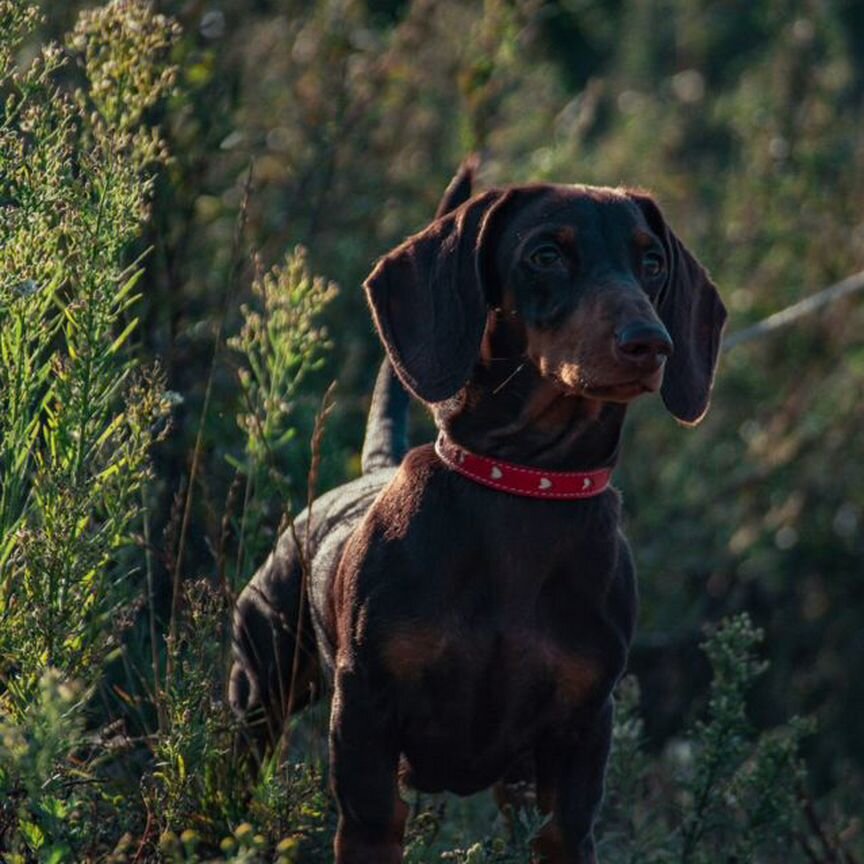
(350, 116)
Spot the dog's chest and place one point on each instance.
(514, 622)
(488, 628)
(471, 701)
(492, 668)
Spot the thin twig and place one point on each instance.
(833, 850)
(145, 836)
(845, 287)
(327, 405)
(224, 532)
(151, 609)
(806, 848)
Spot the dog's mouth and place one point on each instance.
(625, 391)
(575, 380)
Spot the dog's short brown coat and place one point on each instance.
(474, 636)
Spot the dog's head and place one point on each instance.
(601, 295)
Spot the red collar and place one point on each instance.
(518, 480)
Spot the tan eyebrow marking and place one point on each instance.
(566, 236)
(643, 240)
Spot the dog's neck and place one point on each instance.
(509, 411)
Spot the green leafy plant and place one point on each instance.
(39, 789)
(75, 182)
(202, 783)
(76, 173)
(280, 342)
(725, 791)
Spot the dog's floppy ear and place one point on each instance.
(428, 300)
(694, 315)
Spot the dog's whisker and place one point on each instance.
(509, 378)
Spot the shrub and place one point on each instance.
(80, 409)
(722, 792)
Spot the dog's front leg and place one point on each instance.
(364, 756)
(570, 777)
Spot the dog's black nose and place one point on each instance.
(644, 343)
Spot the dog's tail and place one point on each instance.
(386, 440)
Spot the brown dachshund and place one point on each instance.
(473, 607)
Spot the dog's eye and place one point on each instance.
(545, 257)
(653, 265)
